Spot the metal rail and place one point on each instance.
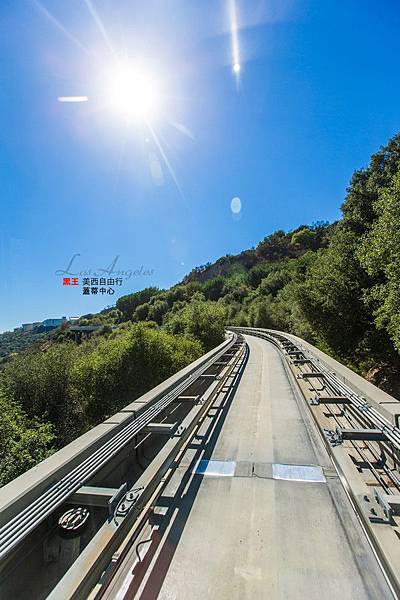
(392, 432)
(92, 572)
(385, 548)
(13, 532)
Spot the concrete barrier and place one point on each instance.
(20, 492)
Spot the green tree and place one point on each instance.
(23, 442)
(117, 371)
(200, 320)
(379, 254)
(212, 289)
(275, 281)
(304, 238)
(257, 273)
(157, 311)
(41, 383)
(260, 313)
(141, 312)
(127, 304)
(331, 296)
(336, 298)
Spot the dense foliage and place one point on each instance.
(336, 285)
(23, 441)
(15, 341)
(50, 397)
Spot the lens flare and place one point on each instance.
(133, 92)
(236, 205)
(72, 98)
(234, 37)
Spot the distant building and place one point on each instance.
(41, 326)
(51, 323)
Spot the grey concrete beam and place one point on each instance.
(20, 492)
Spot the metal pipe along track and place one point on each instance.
(13, 532)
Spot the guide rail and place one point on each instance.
(363, 444)
(17, 528)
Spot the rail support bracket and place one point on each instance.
(331, 400)
(376, 513)
(113, 502)
(339, 435)
(310, 375)
(373, 435)
(163, 428)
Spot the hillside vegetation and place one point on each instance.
(338, 286)
(15, 341)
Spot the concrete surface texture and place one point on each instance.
(247, 526)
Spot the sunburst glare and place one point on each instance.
(133, 91)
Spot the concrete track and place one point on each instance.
(241, 524)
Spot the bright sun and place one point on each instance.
(133, 92)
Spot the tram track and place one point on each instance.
(363, 445)
(375, 461)
(17, 528)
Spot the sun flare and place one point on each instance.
(133, 92)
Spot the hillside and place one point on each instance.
(338, 286)
(275, 247)
(15, 341)
(334, 285)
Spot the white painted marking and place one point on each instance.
(216, 468)
(306, 473)
(226, 468)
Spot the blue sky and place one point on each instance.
(318, 92)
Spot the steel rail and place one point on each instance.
(130, 540)
(392, 432)
(12, 533)
(78, 476)
(363, 411)
(387, 569)
(361, 407)
(354, 418)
